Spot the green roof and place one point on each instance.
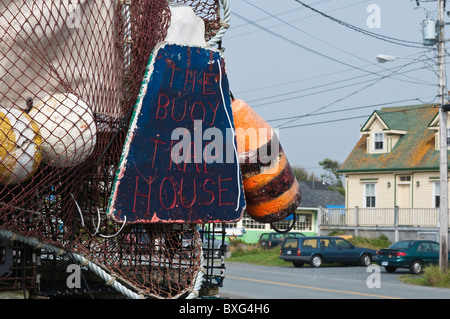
(415, 150)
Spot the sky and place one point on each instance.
(314, 75)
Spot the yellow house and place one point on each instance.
(396, 161)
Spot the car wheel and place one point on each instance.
(316, 261)
(297, 264)
(416, 267)
(365, 260)
(221, 252)
(390, 269)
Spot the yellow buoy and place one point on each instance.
(20, 146)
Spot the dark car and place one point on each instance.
(270, 240)
(319, 250)
(409, 254)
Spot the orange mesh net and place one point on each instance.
(70, 72)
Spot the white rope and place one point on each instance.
(199, 277)
(107, 278)
(79, 258)
(225, 24)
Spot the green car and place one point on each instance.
(409, 254)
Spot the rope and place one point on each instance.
(224, 25)
(79, 258)
(199, 276)
(107, 278)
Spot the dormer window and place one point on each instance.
(378, 141)
(383, 130)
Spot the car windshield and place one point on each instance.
(342, 243)
(291, 243)
(402, 245)
(294, 234)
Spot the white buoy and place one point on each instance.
(20, 146)
(185, 26)
(68, 129)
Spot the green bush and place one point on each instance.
(373, 243)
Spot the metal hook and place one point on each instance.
(98, 224)
(118, 232)
(79, 210)
(289, 228)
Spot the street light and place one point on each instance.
(443, 153)
(383, 58)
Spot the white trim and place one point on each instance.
(372, 119)
(365, 194)
(383, 140)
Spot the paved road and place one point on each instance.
(265, 282)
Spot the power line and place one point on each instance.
(279, 14)
(298, 44)
(322, 91)
(341, 119)
(348, 95)
(312, 36)
(312, 78)
(294, 20)
(411, 44)
(353, 108)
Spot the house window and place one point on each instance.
(436, 194)
(405, 178)
(378, 138)
(250, 223)
(369, 195)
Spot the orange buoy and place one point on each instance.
(271, 190)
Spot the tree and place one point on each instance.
(302, 174)
(332, 177)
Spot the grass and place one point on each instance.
(432, 276)
(251, 253)
(257, 256)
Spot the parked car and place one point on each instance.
(409, 254)
(270, 240)
(319, 250)
(211, 245)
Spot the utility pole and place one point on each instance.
(443, 168)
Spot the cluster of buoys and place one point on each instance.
(59, 130)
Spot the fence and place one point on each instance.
(380, 217)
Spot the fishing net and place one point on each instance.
(70, 75)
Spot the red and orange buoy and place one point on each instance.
(271, 190)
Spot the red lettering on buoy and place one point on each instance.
(174, 198)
